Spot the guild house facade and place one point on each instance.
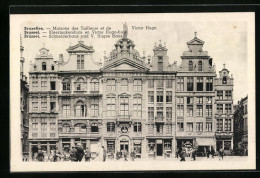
(132, 102)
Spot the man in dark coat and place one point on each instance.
(208, 152)
(79, 153)
(212, 152)
(87, 155)
(73, 154)
(193, 154)
(40, 156)
(182, 155)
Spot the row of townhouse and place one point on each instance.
(132, 102)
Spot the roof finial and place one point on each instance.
(21, 43)
(195, 34)
(224, 65)
(160, 41)
(125, 30)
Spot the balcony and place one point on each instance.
(94, 92)
(159, 119)
(123, 118)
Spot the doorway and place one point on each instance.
(159, 149)
(124, 145)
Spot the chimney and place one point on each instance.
(61, 58)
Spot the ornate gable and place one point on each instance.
(80, 48)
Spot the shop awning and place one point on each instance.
(205, 141)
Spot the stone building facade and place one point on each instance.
(24, 89)
(131, 102)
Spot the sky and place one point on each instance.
(225, 40)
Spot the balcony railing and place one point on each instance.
(159, 119)
(123, 118)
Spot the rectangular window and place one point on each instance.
(199, 126)
(111, 85)
(137, 107)
(168, 96)
(35, 104)
(180, 84)
(189, 100)
(159, 83)
(168, 83)
(137, 85)
(169, 112)
(190, 110)
(227, 124)
(150, 96)
(43, 127)
(209, 84)
(219, 124)
(159, 128)
(209, 100)
(160, 63)
(124, 106)
(199, 100)
(66, 86)
(180, 110)
(227, 145)
(180, 100)
(245, 109)
(228, 108)
(190, 127)
(35, 85)
(110, 127)
(137, 127)
(228, 94)
(44, 85)
(168, 128)
(220, 94)
(151, 112)
(66, 110)
(111, 146)
(53, 85)
(199, 83)
(150, 83)
(180, 127)
(94, 110)
(220, 108)
(34, 124)
(44, 104)
(159, 112)
(111, 106)
(159, 96)
(53, 106)
(208, 126)
(124, 85)
(52, 124)
(199, 110)
(80, 61)
(189, 83)
(209, 110)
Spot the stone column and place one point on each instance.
(72, 142)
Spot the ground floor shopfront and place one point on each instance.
(225, 143)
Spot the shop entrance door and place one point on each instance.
(123, 146)
(159, 150)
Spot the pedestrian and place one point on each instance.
(182, 155)
(87, 155)
(73, 152)
(177, 153)
(104, 153)
(79, 153)
(40, 156)
(208, 152)
(212, 152)
(221, 154)
(125, 155)
(193, 154)
(133, 155)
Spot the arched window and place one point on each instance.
(80, 128)
(80, 109)
(190, 65)
(34, 67)
(94, 85)
(200, 66)
(44, 66)
(80, 84)
(66, 128)
(94, 127)
(224, 80)
(66, 84)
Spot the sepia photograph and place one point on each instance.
(120, 92)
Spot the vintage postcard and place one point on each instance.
(131, 92)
